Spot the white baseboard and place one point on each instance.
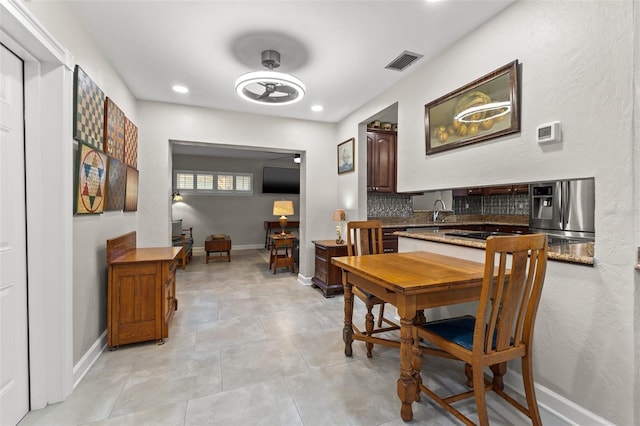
(89, 358)
(304, 280)
(557, 405)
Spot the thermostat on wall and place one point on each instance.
(549, 132)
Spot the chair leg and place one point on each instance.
(468, 371)
(380, 315)
(530, 391)
(479, 394)
(369, 328)
(416, 363)
(499, 370)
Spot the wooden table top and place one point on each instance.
(413, 272)
(218, 237)
(279, 236)
(151, 254)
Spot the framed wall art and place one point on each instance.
(130, 143)
(346, 156)
(88, 110)
(91, 179)
(484, 109)
(131, 190)
(116, 179)
(113, 130)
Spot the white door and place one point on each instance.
(14, 367)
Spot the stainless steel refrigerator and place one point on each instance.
(565, 207)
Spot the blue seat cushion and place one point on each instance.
(458, 330)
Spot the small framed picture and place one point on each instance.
(346, 156)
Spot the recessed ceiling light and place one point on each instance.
(317, 108)
(180, 89)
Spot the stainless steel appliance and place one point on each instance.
(563, 208)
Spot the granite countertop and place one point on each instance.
(573, 253)
(448, 220)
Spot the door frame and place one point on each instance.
(48, 85)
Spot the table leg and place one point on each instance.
(347, 331)
(406, 384)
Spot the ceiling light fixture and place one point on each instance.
(180, 89)
(317, 108)
(270, 87)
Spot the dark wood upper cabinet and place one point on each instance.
(492, 190)
(381, 161)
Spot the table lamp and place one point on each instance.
(338, 216)
(282, 208)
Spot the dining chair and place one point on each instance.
(365, 237)
(501, 330)
(281, 255)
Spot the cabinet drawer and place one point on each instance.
(321, 270)
(387, 233)
(321, 252)
(390, 246)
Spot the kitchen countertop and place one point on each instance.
(573, 253)
(424, 219)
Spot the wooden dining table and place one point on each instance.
(411, 282)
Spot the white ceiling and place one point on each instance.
(337, 48)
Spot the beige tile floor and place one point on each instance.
(248, 347)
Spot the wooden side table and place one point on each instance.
(328, 277)
(218, 244)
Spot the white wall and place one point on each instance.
(161, 123)
(577, 67)
(90, 232)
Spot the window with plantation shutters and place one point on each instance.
(213, 183)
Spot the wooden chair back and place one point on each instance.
(510, 297)
(364, 237)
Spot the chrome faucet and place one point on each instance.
(435, 208)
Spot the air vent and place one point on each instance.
(405, 59)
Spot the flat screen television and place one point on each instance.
(280, 180)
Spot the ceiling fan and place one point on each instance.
(270, 87)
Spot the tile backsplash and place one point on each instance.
(401, 205)
(513, 204)
(389, 205)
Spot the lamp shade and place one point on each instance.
(339, 215)
(283, 208)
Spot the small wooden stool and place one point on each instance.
(282, 252)
(219, 243)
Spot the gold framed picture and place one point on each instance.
(484, 109)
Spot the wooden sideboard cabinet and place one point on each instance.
(142, 291)
(328, 277)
